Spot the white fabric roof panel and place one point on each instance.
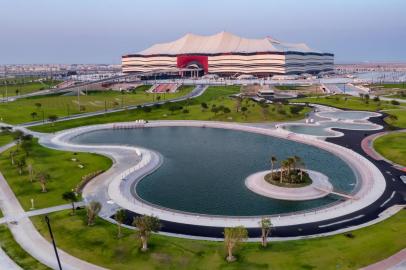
(223, 43)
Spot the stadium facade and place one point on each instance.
(228, 54)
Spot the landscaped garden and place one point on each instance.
(363, 103)
(17, 253)
(214, 105)
(42, 174)
(20, 87)
(392, 147)
(43, 107)
(99, 244)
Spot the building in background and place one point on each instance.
(228, 54)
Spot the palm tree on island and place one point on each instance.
(291, 173)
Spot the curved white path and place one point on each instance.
(27, 236)
(110, 186)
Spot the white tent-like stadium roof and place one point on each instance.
(223, 42)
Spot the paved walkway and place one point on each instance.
(394, 262)
(27, 236)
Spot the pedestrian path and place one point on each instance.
(27, 236)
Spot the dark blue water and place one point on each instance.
(204, 169)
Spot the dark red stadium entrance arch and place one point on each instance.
(201, 61)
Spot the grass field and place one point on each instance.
(64, 173)
(218, 96)
(392, 147)
(16, 253)
(21, 88)
(20, 111)
(356, 103)
(99, 245)
(5, 138)
(391, 85)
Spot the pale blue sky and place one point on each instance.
(100, 31)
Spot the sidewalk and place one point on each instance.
(26, 235)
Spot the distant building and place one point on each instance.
(228, 54)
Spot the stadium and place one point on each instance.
(227, 54)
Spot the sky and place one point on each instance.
(100, 31)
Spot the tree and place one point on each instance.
(238, 103)
(38, 105)
(120, 217)
(12, 155)
(273, 160)
(34, 115)
(266, 226)
(52, 118)
(43, 179)
(93, 209)
(71, 197)
(244, 110)
(21, 165)
(30, 169)
(146, 225)
(204, 106)
(232, 238)
(284, 165)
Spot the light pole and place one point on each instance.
(53, 241)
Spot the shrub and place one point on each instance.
(395, 102)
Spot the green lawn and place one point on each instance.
(218, 96)
(64, 173)
(392, 147)
(99, 245)
(19, 111)
(5, 138)
(401, 118)
(391, 85)
(16, 253)
(21, 88)
(356, 103)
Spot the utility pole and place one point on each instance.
(53, 241)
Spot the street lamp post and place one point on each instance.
(53, 241)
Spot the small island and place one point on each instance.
(291, 173)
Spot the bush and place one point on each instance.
(295, 109)
(185, 111)
(395, 102)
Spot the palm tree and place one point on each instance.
(12, 155)
(273, 160)
(30, 170)
(266, 226)
(43, 179)
(233, 237)
(93, 209)
(238, 103)
(71, 197)
(146, 225)
(120, 217)
(296, 160)
(20, 165)
(284, 165)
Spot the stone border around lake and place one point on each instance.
(319, 188)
